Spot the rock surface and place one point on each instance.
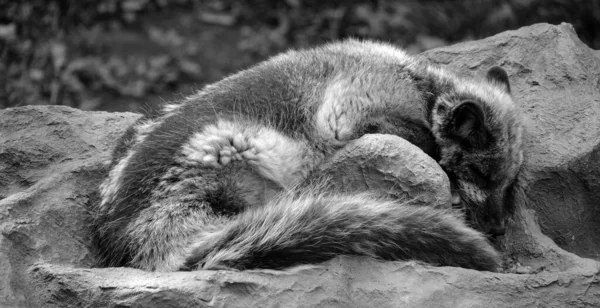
(389, 164)
(51, 161)
(341, 282)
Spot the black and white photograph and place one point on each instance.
(299, 153)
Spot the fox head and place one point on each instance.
(478, 128)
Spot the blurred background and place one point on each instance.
(126, 55)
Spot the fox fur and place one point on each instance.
(218, 179)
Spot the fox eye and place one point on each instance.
(371, 128)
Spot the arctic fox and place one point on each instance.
(218, 179)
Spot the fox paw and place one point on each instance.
(217, 150)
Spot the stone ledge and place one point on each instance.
(341, 282)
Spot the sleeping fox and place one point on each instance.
(218, 180)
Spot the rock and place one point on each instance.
(52, 160)
(389, 164)
(341, 282)
(554, 77)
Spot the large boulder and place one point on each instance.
(52, 160)
(391, 165)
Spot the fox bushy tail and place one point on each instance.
(310, 228)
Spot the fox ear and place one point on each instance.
(499, 76)
(468, 120)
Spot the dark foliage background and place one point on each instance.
(127, 54)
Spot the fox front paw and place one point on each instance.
(216, 150)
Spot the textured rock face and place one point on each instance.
(391, 165)
(51, 162)
(341, 282)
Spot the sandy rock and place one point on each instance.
(341, 282)
(51, 162)
(389, 164)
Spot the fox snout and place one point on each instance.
(486, 210)
(492, 220)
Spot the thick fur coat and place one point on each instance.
(218, 179)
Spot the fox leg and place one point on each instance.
(220, 171)
(187, 204)
(279, 158)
